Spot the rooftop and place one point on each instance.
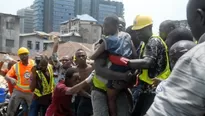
(69, 49)
(9, 14)
(84, 17)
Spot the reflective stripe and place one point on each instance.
(164, 75)
(47, 87)
(20, 85)
(142, 48)
(99, 83)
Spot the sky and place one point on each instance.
(160, 10)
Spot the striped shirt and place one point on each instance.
(183, 93)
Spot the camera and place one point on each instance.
(37, 61)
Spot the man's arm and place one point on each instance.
(140, 63)
(79, 87)
(11, 75)
(55, 45)
(33, 79)
(2, 72)
(103, 71)
(150, 55)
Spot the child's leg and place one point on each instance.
(129, 96)
(112, 96)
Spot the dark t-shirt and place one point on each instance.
(61, 101)
(157, 51)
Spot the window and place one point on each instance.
(37, 45)
(9, 43)
(29, 45)
(9, 25)
(45, 47)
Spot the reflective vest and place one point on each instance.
(23, 76)
(98, 83)
(47, 87)
(164, 75)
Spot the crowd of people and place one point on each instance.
(132, 72)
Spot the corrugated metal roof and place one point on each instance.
(83, 17)
(69, 49)
(86, 17)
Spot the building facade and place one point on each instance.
(9, 33)
(83, 26)
(99, 9)
(34, 42)
(26, 21)
(102, 8)
(82, 7)
(48, 14)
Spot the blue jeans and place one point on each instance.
(36, 108)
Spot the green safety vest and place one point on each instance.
(98, 83)
(47, 87)
(164, 75)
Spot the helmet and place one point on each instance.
(23, 50)
(142, 21)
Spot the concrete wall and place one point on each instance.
(89, 31)
(33, 38)
(9, 33)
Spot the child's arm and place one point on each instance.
(98, 51)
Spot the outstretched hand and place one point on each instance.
(75, 89)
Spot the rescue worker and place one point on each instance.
(19, 76)
(42, 85)
(154, 61)
(184, 92)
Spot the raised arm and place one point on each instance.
(55, 46)
(98, 51)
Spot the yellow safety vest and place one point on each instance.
(99, 84)
(47, 87)
(164, 75)
(98, 81)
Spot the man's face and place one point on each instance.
(66, 62)
(43, 65)
(75, 79)
(81, 57)
(109, 28)
(144, 34)
(196, 19)
(24, 57)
